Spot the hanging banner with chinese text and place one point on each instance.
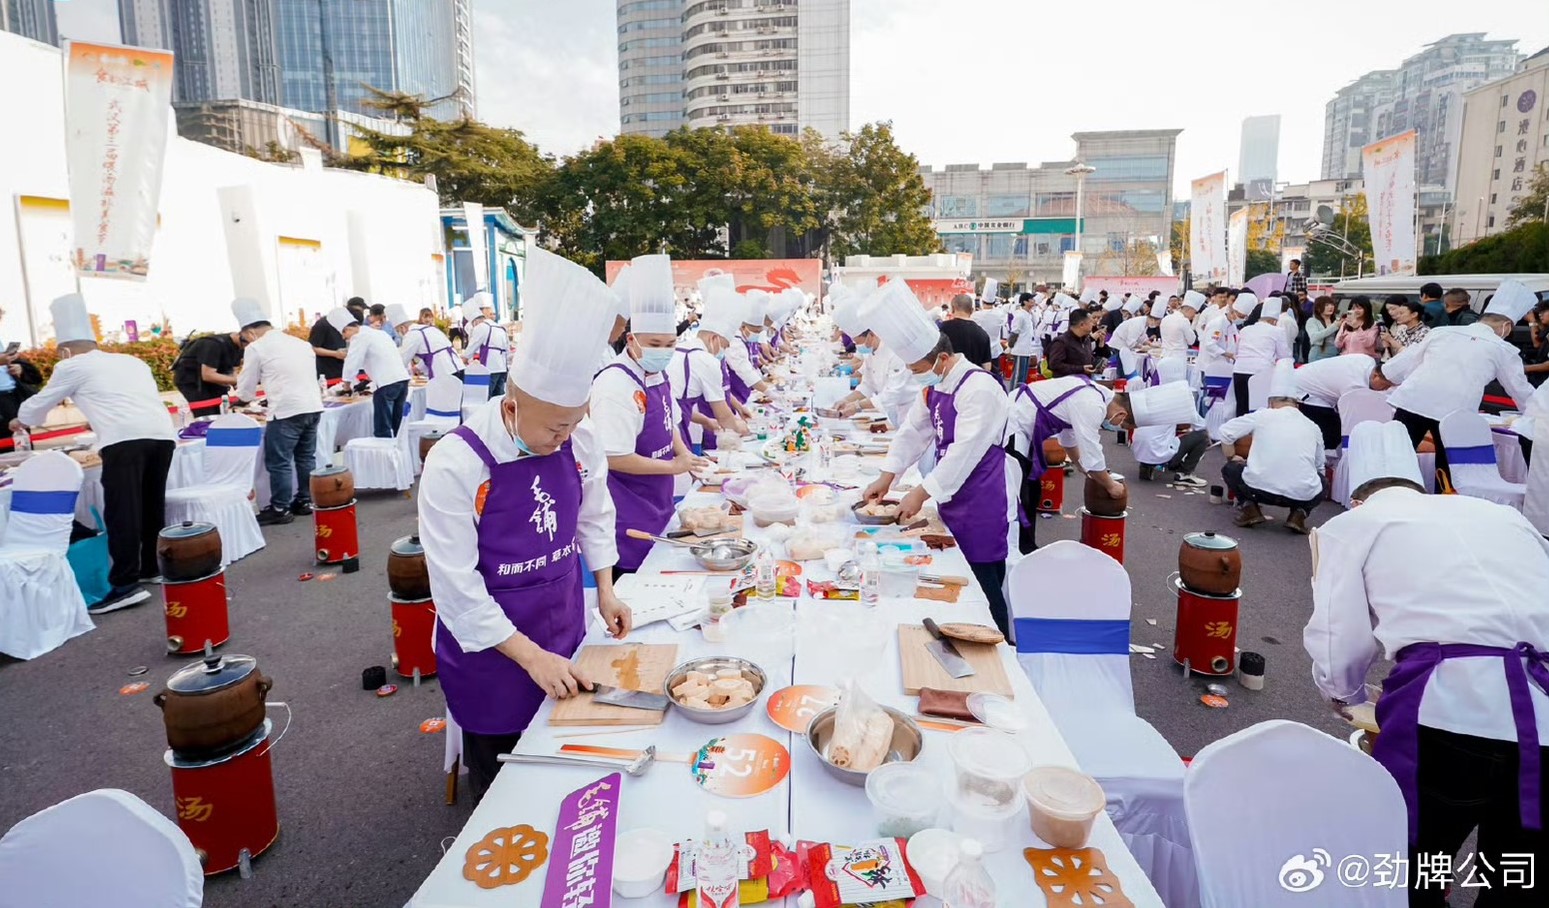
(1388, 167)
(1072, 270)
(1207, 228)
(1237, 247)
(473, 214)
(117, 102)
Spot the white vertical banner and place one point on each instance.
(1388, 168)
(1237, 247)
(117, 104)
(1072, 273)
(1164, 262)
(1207, 228)
(473, 213)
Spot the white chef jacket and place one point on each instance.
(616, 417)
(1449, 369)
(885, 382)
(495, 359)
(448, 525)
(741, 364)
(704, 371)
(1287, 454)
(1289, 325)
(1177, 335)
(1322, 382)
(1217, 339)
(981, 423)
(373, 353)
(1084, 411)
(1259, 347)
(287, 368)
(1405, 568)
(439, 350)
(115, 391)
(993, 321)
(1025, 326)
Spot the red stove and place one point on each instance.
(1205, 635)
(196, 614)
(414, 633)
(1106, 534)
(337, 536)
(1051, 490)
(225, 804)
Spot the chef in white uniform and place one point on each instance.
(1177, 327)
(697, 383)
(1259, 346)
(1025, 341)
(1450, 368)
(1175, 448)
(426, 349)
(1452, 589)
(746, 378)
(488, 344)
(373, 353)
(885, 379)
(1284, 467)
(1323, 382)
(1131, 339)
(1534, 425)
(509, 503)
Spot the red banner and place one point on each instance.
(773, 275)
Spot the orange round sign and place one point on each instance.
(640, 400)
(792, 708)
(741, 766)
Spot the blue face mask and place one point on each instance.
(522, 446)
(862, 350)
(926, 379)
(720, 355)
(655, 359)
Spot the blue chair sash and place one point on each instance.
(454, 414)
(28, 501)
(234, 438)
(476, 380)
(1073, 636)
(1473, 454)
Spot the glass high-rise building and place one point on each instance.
(224, 49)
(31, 19)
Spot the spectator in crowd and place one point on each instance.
(1537, 356)
(1295, 283)
(19, 380)
(1406, 324)
(1071, 353)
(967, 337)
(1458, 309)
(1321, 328)
(1430, 298)
(206, 368)
(329, 347)
(1359, 333)
(427, 316)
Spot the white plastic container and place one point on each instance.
(994, 827)
(933, 853)
(905, 798)
(899, 578)
(989, 765)
(640, 862)
(1062, 805)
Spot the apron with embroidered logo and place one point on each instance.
(530, 561)
(975, 511)
(1046, 425)
(688, 405)
(644, 502)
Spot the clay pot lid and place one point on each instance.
(188, 529)
(1209, 539)
(408, 546)
(330, 471)
(212, 673)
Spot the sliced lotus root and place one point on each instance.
(506, 856)
(972, 633)
(1076, 878)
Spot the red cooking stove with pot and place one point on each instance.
(1205, 635)
(196, 614)
(225, 804)
(414, 631)
(1104, 533)
(337, 536)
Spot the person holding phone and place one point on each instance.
(1359, 333)
(18, 380)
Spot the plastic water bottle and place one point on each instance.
(322, 385)
(225, 403)
(716, 865)
(764, 575)
(825, 453)
(21, 441)
(871, 574)
(969, 885)
(719, 605)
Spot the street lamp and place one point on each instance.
(1080, 171)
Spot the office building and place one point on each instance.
(31, 19)
(225, 49)
(1018, 221)
(146, 23)
(710, 63)
(1347, 123)
(1505, 141)
(1258, 154)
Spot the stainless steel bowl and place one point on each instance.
(725, 554)
(870, 520)
(710, 665)
(907, 743)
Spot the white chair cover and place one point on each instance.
(1355, 407)
(1471, 460)
(40, 603)
(443, 412)
(1258, 389)
(474, 391)
(382, 463)
(1072, 612)
(104, 847)
(224, 497)
(1278, 798)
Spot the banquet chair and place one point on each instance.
(231, 450)
(104, 847)
(1258, 389)
(1270, 828)
(474, 392)
(1222, 406)
(382, 463)
(1470, 447)
(41, 605)
(1355, 407)
(443, 413)
(1071, 607)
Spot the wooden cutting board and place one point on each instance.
(630, 666)
(922, 670)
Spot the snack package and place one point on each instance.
(828, 589)
(756, 867)
(862, 731)
(869, 873)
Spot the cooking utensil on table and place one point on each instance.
(636, 767)
(710, 665)
(945, 653)
(718, 555)
(946, 580)
(629, 699)
(908, 740)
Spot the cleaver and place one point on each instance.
(629, 699)
(951, 661)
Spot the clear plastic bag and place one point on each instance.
(863, 732)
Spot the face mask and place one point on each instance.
(655, 359)
(926, 379)
(721, 354)
(862, 350)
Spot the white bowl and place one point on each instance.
(640, 859)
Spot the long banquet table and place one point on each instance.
(809, 804)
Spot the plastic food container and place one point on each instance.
(1062, 805)
(640, 862)
(773, 507)
(905, 797)
(995, 827)
(933, 853)
(990, 765)
(899, 579)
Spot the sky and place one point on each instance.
(980, 81)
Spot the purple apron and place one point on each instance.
(755, 355)
(644, 502)
(530, 561)
(975, 513)
(1046, 425)
(484, 348)
(429, 356)
(1398, 715)
(688, 406)
(733, 383)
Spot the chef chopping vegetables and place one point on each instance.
(509, 502)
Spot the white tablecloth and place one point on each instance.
(810, 803)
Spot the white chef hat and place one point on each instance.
(1282, 381)
(340, 318)
(71, 321)
(1089, 295)
(1134, 304)
(474, 306)
(398, 315)
(760, 303)
(567, 314)
(652, 298)
(1040, 298)
(1271, 308)
(723, 306)
(248, 311)
(621, 292)
(1065, 301)
(1164, 405)
(1513, 300)
(792, 299)
(1112, 304)
(1193, 299)
(1171, 368)
(1159, 308)
(847, 312)
(1382, 450)
(1245, 303)
(896, 315)
(991, 288)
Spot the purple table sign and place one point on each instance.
(581, 855)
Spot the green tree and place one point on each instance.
(1178, 244)
(877, 198)
(1262, 261)
(1352, 223)
(1522, 249)
(1535, 205)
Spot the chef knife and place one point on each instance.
(629, 699)
(951, 661)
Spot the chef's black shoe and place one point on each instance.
(270, 517)
(119, 597)
(301, 508)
